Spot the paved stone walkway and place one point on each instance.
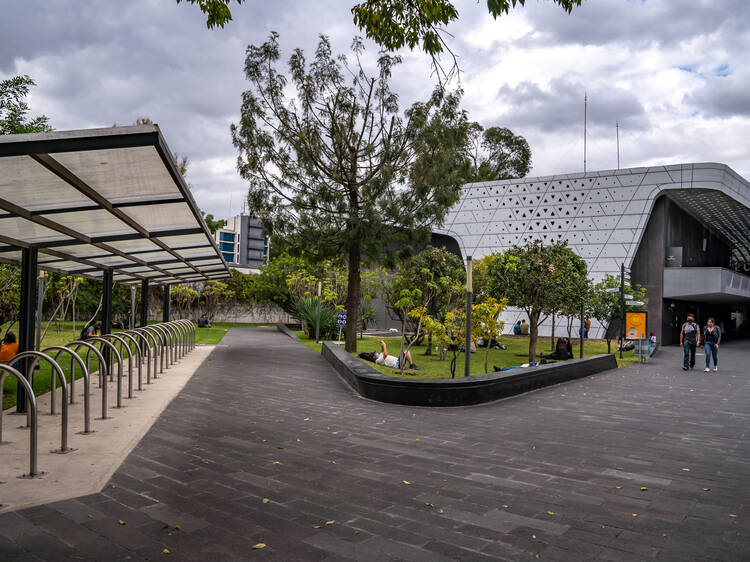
(647, 462)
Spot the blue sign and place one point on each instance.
(341, 319)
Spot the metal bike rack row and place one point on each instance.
(168, 341)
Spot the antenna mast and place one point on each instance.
(617, 126)
(585, 125)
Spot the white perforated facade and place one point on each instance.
(602, 215)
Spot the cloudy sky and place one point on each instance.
(674, 73)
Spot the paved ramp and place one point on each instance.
(556, 473)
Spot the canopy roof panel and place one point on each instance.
(95, 199)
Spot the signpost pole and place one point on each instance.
(317, 318)
(467, 348)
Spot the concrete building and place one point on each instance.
(684, 231)
(242, 243)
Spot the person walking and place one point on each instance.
(711, 340)
(690, 337)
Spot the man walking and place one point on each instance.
(690, 337)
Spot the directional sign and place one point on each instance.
(635, 303)
(341, 319)
(612, 290)
(629, 297)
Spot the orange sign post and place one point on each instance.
(635, 325)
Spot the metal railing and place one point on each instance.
(159, 344)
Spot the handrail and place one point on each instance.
(123, 343)
(86, 383)
(103, 370)
(119, 367)
(31, 401)
(36, 355)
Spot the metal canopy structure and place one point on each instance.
(98, 200)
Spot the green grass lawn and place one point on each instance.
(430, 366)
(212, 335)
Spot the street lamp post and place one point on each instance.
(467, 344)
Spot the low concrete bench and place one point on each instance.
(462, 391)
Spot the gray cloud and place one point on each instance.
(722, 96)
(561, 106)
(107, 61)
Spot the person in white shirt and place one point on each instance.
(383, 358)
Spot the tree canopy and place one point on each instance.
(337, 169)
(538, 279)
(395, 24)
(497, 154)
(14, 110)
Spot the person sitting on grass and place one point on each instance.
(563, 350)
(383, 358)
(9, 348)
(203, 322)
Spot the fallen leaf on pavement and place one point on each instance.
(259, 545)
(265, 500)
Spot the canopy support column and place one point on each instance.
(26, 318)
(107, 283)
(165, 305)
(144, 303)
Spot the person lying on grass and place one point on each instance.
(383, 358)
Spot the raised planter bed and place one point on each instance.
(463, 391)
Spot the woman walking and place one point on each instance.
(711, 339)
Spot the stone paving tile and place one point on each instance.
(555, 473)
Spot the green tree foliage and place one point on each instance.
(217, 11)
(497, 154)
(10, 294)
(14, 110)
(533, 278)
(213, 295)
(212, 223)
(486, 323)
(605, 307)
(438, 274)
(242, 286)
(394, 24)
(270, 285)
(331, 168)
(183, 297)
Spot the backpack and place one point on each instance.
(84, 333)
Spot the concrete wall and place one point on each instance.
(247, 314)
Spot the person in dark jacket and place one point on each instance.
(690, 337)
(711, 340)
(563, 350)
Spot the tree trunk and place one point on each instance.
(487, 356)
(533, 334)
(609, 346)
(352, 300)
(429, 345)
(401, 349)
